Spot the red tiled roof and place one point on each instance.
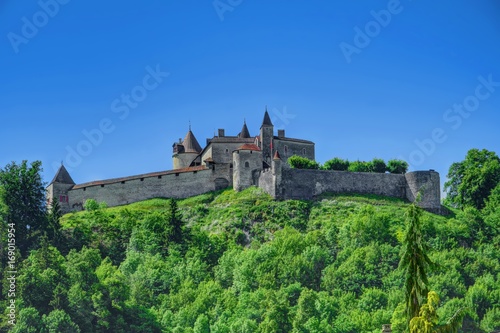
(145, 175)
(249, 146)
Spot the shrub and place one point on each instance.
(299, 162)
(397, 166)
(378, 165)
(336, 164)
(90, 205)
(360, 166)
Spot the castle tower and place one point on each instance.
(247, 165)
(184, 152)
(58, 189)
(266, 138)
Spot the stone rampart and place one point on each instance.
(172, 185)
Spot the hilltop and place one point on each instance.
(231, 261)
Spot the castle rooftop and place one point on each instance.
(62, 176)
(190, 143)
(249, 146)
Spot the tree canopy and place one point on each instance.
(470, 181)
(24, 195)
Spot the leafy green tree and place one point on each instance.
(397, 166)
(378, 165)
(53, 225)
(360, 166)
(336, 163)
(471, 181)
(59, 321)
(299, 162)
(202, 325)
(109, 297)
(306, 309)
(414, 263)
(42, 279)
(28, 321)
(24, 195)
(176, 223)
(91, 205)
(427, 319)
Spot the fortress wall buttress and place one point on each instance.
(266, 182)
(428, 184)
(175, 185)
(305, 184)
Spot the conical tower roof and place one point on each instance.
(190, 143)
(267, 120)
(244, 131)
(62, 176)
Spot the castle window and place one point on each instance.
(85, 189)
(102, 185)
(303, 151)
(195, 171)
(123, 182)
(159, 177)
(286, 150)
(176, 174)
(227, 150)
(142, 179)
(63, 198)
(247, 165)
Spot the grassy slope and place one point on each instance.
(360, 236)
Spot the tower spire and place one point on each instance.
(267, 120)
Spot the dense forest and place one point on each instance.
(227, 262)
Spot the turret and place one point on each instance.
(247, 165)
(58, 189)
(266, 138)
(184, 152)
(244, 131)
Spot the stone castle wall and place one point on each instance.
(297, 183)
(174, 185)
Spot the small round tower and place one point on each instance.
(185, 152)
(247, 163)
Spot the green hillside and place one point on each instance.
(241, 262)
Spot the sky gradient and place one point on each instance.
(107, 87)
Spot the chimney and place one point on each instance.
(281, 133)
(386, 328)
(180, 140)
(221, 132)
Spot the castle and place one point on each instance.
(242, 161)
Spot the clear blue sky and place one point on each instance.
(328, 71)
